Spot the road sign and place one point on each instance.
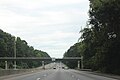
(53, 59)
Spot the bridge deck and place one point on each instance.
(38, 58)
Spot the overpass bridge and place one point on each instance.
(43, 59)
(39, 59)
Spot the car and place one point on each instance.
(66, 68)
(54, 68)
(63, 67)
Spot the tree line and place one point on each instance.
(99, 43)
(8, 43)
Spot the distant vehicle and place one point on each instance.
(63, 67)
(54, 68)
(66, 68)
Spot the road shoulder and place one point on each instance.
(103, 74)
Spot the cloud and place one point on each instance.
(33, 4)
(55, 43)
(49, 25)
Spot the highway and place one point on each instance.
(57, 73)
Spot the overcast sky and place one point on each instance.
(48, 25)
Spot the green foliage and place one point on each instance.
(100, 41)
(105, 22)
(73, 51)
(7, 44)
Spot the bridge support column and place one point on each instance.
(6, 65)
(43, 64)
(78, 64)
(15, 53)
(82, 62)
(14, 65)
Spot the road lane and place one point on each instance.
(58, 74)
(82, 75)
(32, 75)
(75, 75)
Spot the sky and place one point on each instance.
(48, 25)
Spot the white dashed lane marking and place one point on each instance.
(38, 79)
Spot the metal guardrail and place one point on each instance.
(25, 58)
(38, 58)
(71, 58)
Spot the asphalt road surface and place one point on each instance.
(56, 72)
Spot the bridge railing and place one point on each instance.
(24, 58)
(38, 58)
(71, 58)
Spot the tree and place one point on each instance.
(7, 44)
(73, 51)
(105, 22)
(100, 40)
